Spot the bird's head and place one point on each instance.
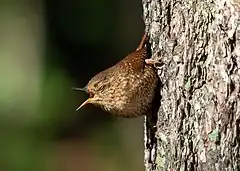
(97, 89)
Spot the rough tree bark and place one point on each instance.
(198, 126)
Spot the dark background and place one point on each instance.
(46, 48)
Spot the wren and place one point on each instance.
(128, 88)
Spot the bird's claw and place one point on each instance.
(154, 62)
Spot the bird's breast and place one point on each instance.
(131, 94)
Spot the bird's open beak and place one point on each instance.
(89, 100)
(79, 89)
(84, 103)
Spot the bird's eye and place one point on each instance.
(96, 85)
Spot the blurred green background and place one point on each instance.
(47, 47)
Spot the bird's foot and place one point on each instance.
(154, 62)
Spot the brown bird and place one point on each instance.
(126, 89)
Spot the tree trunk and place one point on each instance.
(198, 125)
